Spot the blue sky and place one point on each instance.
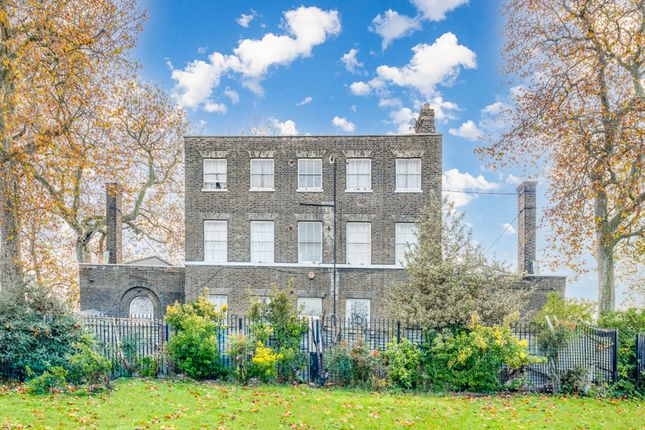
(351, 67)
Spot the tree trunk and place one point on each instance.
(10, 268)
(604, 257)
(606, 281)
(82, 249)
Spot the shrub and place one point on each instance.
(280, 319)
(471, 359)
(37, 331)
(194, 349)
(357, 366)
(403, 362)
(576, 380)
(89, 367)
(265, 363)
(53, 380)
(629, 323)
(148, 366)
(552, 339)
(240, 350)
(571, 310)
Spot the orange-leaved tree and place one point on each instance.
(578, 104)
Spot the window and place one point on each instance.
(406, 235)
(359, 174)
(359, 242)
(408, 174)
(310, 306)
(262, 174)
(219, 300)
(262, 241)
(357, 310)
(309, 175)
(215, 174)
(141, 307)
(309, 242)
(215, 241)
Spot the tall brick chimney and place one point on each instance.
(113, 223)
(425, 123)
(526, 226)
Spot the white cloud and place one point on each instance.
(431, 65)
(404, 120)
(351, 62)
(435, 10)
(513, 180)
(509, 229)
(344, 124)
(273, 126)
(360, 88)
(443, 110)
(454, 180)
(391, 25)
(211, 106)
(286, 128)
(305, 101)
(354, 108)
(245, 19)
(306, 28)
(389, 103)
(468, 130)
(233, 95)
(202, 49)
(494, 108)
(196, 82)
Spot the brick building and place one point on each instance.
(263, 210)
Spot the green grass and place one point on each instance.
(136, 403)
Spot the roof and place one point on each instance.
(151, 260)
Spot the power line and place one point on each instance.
(500, 236)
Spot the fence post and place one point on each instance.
(614, 358)
(398, 332)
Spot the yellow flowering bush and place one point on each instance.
(264, 363)
(473, 359)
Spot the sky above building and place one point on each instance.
(352, 67)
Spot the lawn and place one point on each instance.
(136, 403)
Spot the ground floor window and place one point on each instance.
(310, 306)
(357, 310)
(218, 300)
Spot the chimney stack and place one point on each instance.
(526, 226)
(425, 123)
(113, 222)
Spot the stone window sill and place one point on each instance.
(211, 190)
(305, 190)
(358, 191)
(261, 190)
(408, 191)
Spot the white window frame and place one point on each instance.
(350, 188)
(401, 247)
(224, 257)
(307, 306)
(405, 176)
(263, 187)
(300, 242)
(218, 300)
(262, 249)
(301, 162)
(205, 184)
(358, 252)
(350, 305)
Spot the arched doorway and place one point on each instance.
(142, 307)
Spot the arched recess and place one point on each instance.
(142, 298)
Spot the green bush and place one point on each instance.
(629, 323)
(148, 366)
(278, 323)
(265, 362)
(357, 366)
(53, 380)
(570, 310)
(88, 367)
(576, 380)
(240, 350)
(472, 359)
(37, 332)
(194, 349)
(403, 362)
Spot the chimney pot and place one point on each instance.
(113, 223)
